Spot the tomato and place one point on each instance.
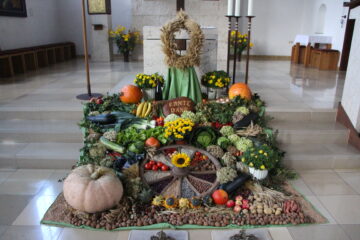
(148, 166)
(164, 168)
(159, 164)
(155, 168)
(152, 162)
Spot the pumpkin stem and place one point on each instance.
(98, 173)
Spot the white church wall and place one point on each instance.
(39, 27)
(350, 98)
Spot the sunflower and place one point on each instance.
(180, 160)
(170, 202)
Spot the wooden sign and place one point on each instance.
(178, 106)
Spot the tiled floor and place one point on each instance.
(30, 106)
(22, 210)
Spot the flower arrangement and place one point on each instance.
(262, 157)
(125, 40)
(215, 79)
(148, 81)
(242, 41)
(178, 128)
(180, 160)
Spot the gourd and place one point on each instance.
(91, 188)
(130, 94)
(240, 89)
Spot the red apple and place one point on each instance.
(230, 204)
(237, 208)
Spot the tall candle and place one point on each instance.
(230, 9)
(250, 8)
(237, 8)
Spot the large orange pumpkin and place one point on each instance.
(130, 94)
(240, 89)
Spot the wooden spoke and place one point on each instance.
(166, 189)
(159, 179)
(203, 180)
(203, 172)
(153, 176)
(191, 186)
(173, 189)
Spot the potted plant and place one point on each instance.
(148, 84)
(216, 83)
(178, 129)
(125, 40)
(260, 160)
(242, 43)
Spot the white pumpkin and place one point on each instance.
(91, 188)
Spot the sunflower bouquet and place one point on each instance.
(178, 129)
(125, 40)
(215, 79)
(148, 81)
(242, 41)
(262, 157)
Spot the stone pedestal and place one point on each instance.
(100, 43)
(154, 57)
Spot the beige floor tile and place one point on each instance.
(320, 207)
(345, 209)
(25, 182)
(322, 183)
(11, 206)
(352, 178)
(352, 230)
(53, 186)
(200, 234)
(301, 186)
(34, 211)
(123, 235)
(280, 234)
(82, 234)
(318, 232)
(4, 175)
(32, 233)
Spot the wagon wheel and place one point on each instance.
(199, 179)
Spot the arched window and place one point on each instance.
(320, 25)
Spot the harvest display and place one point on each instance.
(179, 162)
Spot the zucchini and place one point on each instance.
(112, 146)
(102, 119)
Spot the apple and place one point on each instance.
(237, 208)
(230, 204)
(238, 200)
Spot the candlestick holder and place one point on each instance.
(248, 49)
(228, 50)
(235, 45)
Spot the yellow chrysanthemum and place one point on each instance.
(262, 167)
(184, 203)
(180, 160)
(158, 201)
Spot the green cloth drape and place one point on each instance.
(182, 83)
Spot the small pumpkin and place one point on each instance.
(240, 89)
(130, 94)
(152, 142)
(91, 188)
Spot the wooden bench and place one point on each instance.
(17, 61)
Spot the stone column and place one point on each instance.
(100, 44)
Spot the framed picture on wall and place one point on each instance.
(13, 8)
(99, 6)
